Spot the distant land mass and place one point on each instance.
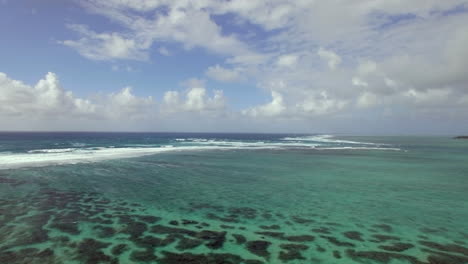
(461, 137)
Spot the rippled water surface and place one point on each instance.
(232, 198)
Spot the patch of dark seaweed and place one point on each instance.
(119, 249)
(278, 235)
(187, 243)
(90, 251)
(300, 238)
(135, 229)
(397, 247)
(160, 229)
(381, 257)
(454, 248)
(337, 242)
(259, 248)
(189, 222)
(383, 238)
(244, 212)
(292, 252)
(215, 239)
(104, 231)
(320, 249)
(189, 258)
(152, 242)
(444, 258)
(143, 256)
(27, 255)
(353, 235)
(174, 222)
(336, 254)
(270, 227)
(240, 239)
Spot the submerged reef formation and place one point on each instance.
(48, 225)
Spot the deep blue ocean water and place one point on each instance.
(232, 198)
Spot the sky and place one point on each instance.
(305, 66)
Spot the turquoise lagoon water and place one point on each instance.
(232, 198)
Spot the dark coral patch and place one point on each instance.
(174, 222)
(384, 238)
(189, 222)
(454, 248)
(143, 256)
(135, 229)
(259, 248)
(270, 227)
(160, 229)
(149, 218)
(119, 249)
(381, 257)
(278, 235)
(244, 212)
(336, 254)
(187, 243)
(67, 227)
(292, 252)
(90, 251)
(337, 242)
(215, 239)
(240, 239)
(151, 242)
(300, 238)
(104, 231)
(354, 235)
(189, 258)
(397, 247)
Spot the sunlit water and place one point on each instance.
(232, 198)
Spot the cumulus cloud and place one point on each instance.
(333, 60)
(272, 109)
(289, 60)
(379, 54)
(44, 99)
(223, 74)
(106, 46)
(194, 99)
(49, 100)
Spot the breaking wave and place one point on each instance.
(57, 156)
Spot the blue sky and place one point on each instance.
(244, 66)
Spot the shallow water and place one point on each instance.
(224, 198)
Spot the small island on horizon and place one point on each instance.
(461, 137)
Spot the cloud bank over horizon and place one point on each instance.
(268, 66)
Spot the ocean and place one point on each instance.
(232, 198)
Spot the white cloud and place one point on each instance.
(49, 100)
(274, 108)
(321, 104)
(366, 100)
(356, 81)
(194, 99)
(289, 60)
(222, 74)
(382, 54)
(333, 60)
(106, 46)
(164, 51)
